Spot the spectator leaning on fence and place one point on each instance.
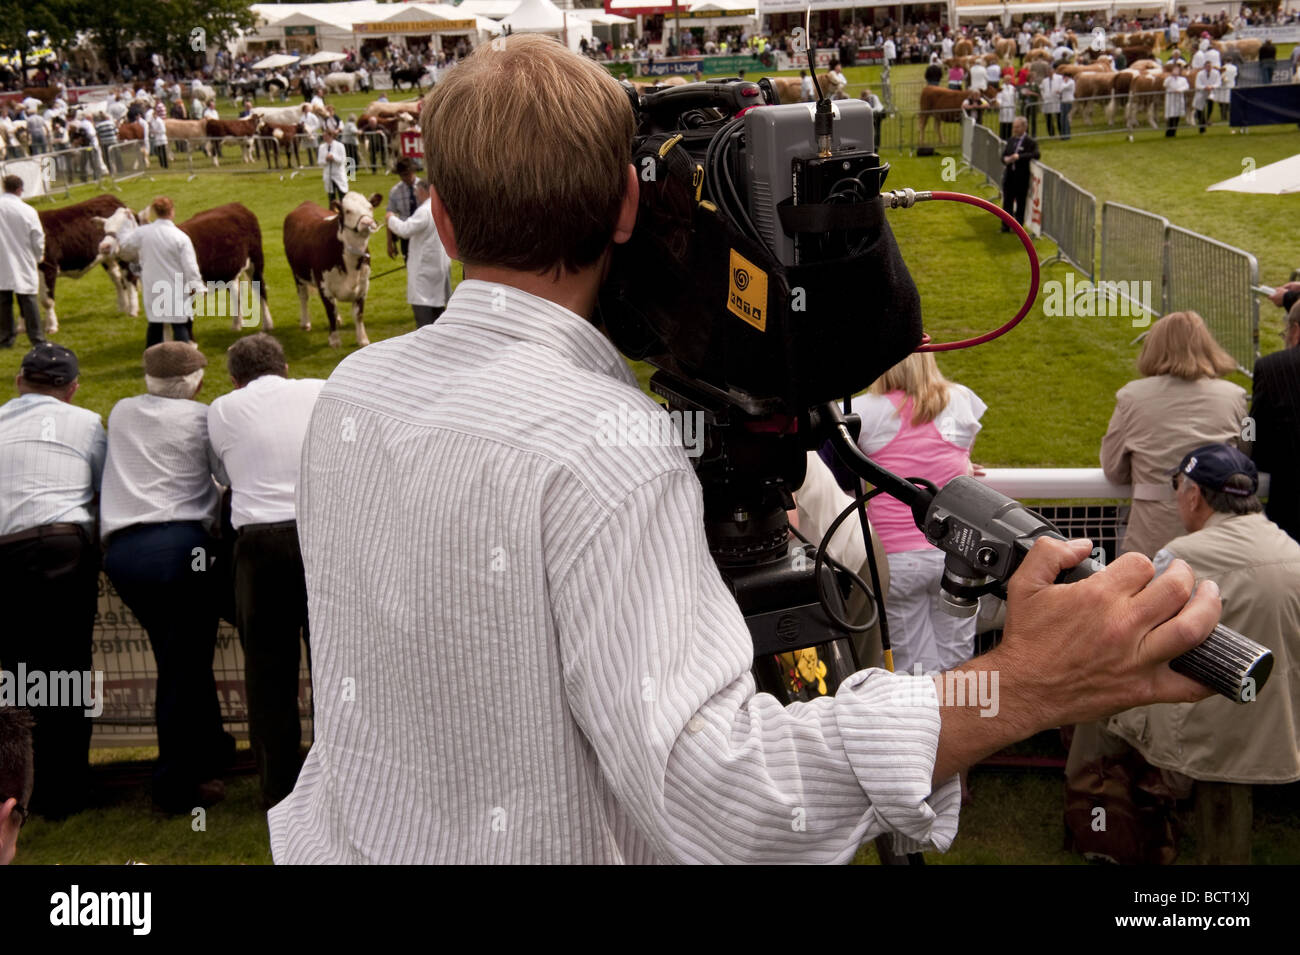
(1180, 403)
(51, 463)
(157, 135)
(157, 512)
(1275, 411)
(1203, 746)
(256, 432)
(17, 776)
(22, 246)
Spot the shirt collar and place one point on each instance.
(526, 317)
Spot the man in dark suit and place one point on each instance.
(1276, 413)
(1019, 150)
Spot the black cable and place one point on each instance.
(874, 594)
(821, 594)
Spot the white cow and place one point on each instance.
(116, 228)
(205, 94)
(284, 115)
(341, 82)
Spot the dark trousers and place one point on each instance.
(1014, 194)
(271, 611)
(181, 332)
(1052, 119)
(1004, 131)
(333, 192)
(31, 318)
(163, 573)
(1064, 121)
(54, 580)
(1223, 112)
(161, 153)
(1201, 118)
(427, 314)
(1031, 117)
(1171, 126)
(403, 246)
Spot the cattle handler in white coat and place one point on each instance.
(22, 246)
(169, 273)
(428, 267)
(334, 159)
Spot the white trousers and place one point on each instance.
(919, 631)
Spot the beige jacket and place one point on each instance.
(1257, 567)
(1156, 421)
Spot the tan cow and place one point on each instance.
(391, 109)
(1145, 93)
(1248, 48)
(963, 48)
(1040, 54)
(192, 132)
(1006, 47)
(946, 106)
(1091, 88)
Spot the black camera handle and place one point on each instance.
(985, 535)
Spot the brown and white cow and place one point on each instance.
(280, 139)
(328, 250)
(72, 248)
(220, 130)
(227, 246)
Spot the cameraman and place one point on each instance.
(525, 652)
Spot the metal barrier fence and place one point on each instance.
(986, 155)
(1070, 220)
(48, 173)
(1133, 258)
(1221, 283)
(192, 157)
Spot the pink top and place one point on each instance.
(920, 451)
(955, 74)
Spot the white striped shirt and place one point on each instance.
(51, 463)
(522, 649)
(159, 465)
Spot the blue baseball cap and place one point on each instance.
(1212, 465)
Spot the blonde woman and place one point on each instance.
(916, 423)
(1180, 403)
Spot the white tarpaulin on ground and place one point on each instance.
(1275, 179)
(323, 57)
(275, 61)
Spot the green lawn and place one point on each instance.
(1049, 386)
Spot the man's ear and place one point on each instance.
(442, 222)
(627, 211)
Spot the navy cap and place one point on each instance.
(50, 364)
(1212, 465)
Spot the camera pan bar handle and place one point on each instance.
(984, 530)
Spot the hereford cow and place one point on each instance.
(946, 106)
(227, 246)
(46, 94)
(220, 130)
(341, 82)
(328, 250)
(72, 240)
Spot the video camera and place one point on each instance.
(764, 284)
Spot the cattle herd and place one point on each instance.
(326, 250)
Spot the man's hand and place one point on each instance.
(1082, 651)
(1102, 645)
(1280, 291)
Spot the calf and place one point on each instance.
(328, 250)
(72, 247)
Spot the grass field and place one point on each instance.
(1049, 386)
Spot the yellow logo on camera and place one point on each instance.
(747, 291)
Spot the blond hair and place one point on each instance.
(917, 376)
(1180, 344)
(528, 146)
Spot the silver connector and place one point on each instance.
(904, 198)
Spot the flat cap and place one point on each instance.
(50, 364)
(172, 360)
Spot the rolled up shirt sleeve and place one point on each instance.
(657, 664)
